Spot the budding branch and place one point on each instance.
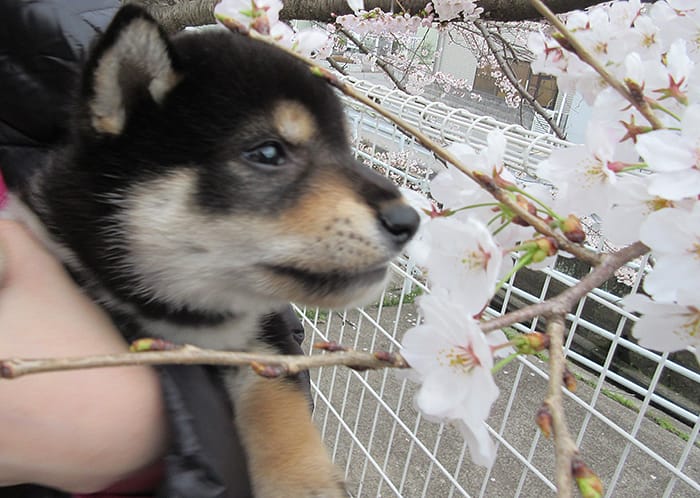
(267, 365)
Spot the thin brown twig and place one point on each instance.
(334, 64)
(382, 64)
(508, 72)
(641, 105)
(268, 365)
(562, 303)
(564, 447)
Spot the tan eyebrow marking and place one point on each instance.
(294, 122)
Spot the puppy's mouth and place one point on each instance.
(331, 282)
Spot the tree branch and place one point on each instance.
(184, 13)
(562, 303)
(381, 63)
(497, 10)
(197, 12)
(334, 64)
(267, 365)
(508, 72)
(564, 447)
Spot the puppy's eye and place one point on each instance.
(269, 153)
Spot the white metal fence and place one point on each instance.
(635, 414)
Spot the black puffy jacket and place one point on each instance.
(42, 43)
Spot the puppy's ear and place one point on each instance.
(132, 61)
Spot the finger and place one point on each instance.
(23, 257)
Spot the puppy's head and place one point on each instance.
(215, 172)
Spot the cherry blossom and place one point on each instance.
(666, 327)
(675, 157)
(464, 260)
(632, 204)
(451, 358)
(452, 9)
(678, 19)
(455, 191)
(378, 22)
(584, 174)
(356, 5)
(674, 237)
(313, 43)
(262, 16)
(259, 15)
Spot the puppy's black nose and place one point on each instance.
(400, 220)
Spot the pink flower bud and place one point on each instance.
(543, 418)
(572, 229)
(569, 380)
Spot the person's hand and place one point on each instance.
(78, 431)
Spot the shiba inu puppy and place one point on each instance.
(209, 182)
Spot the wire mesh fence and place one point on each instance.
(635, 413)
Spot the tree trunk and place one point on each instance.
(176, 14)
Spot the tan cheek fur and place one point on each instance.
(340, 230)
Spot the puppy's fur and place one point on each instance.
(209, 182)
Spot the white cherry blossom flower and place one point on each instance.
(675, 157)
(674, 237)
(678, 19)
(464, 260)
(452, 359)
(418, 248)
(282, 34)
(259, 15)
(451, 9)
(313, 43)
(584, 174)
(356, 5)
(455, 190)
(631, 205)
(666, 327)
(452, 188)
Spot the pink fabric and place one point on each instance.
(3, 192)
(140, 485)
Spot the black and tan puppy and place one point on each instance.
(208, 183)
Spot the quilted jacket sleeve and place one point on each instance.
(41, 43)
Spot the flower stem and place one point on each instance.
(473, 206)
(535, 199)
(524, 260)
(634, 167)
(494, 218)
(503, 362)
(666, 110)
(501, 228)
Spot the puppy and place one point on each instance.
(208, 182)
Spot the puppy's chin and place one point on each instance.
(330, 289)
(357, 297)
